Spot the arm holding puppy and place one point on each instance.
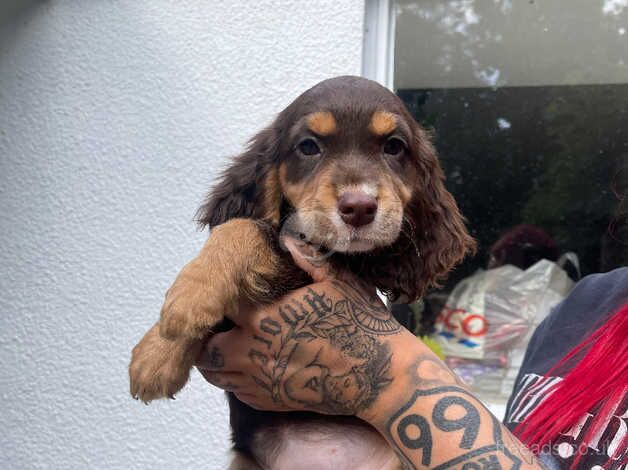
(333, 348)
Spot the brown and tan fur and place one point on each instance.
(418, 234)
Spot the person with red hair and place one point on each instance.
(569, 403)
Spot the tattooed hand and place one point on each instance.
(333, 348)
(322, 348)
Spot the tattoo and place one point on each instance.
(353, 325)
(455, 414)
(416, 433)
(216, 359)
(470, 421)
(455, 417)
(423, 441)
(369, 312)
(428, 371)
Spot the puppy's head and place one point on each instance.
(347, 168)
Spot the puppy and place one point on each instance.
(344, 166)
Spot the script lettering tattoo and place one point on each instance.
(354, 324)
(267, 342)
(270, 326)
(292, 314)
(319, 304)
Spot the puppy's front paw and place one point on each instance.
(187, 310)
(159, 367)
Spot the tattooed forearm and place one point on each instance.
(451, 417)
(443, 426)
(352, 324)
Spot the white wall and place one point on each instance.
(114, 118)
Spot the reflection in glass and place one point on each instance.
(529, 103)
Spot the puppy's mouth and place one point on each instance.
(350, 240)
(358, 245)
(328, 233)
(357, 241)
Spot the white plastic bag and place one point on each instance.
(491, 312)
(489, 318)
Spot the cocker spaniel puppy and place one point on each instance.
(344, 167)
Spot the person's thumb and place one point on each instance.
(308, 259)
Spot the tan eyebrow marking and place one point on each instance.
(382, 123)
(322, 123)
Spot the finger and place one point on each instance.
(257, 403)
(228, 381)
(250, 399)
(244, 389)
(308, 259)
(221, 352)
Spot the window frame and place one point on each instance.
(378, 47)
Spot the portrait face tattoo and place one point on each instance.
(314, 386)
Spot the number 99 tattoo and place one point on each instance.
(470, 422)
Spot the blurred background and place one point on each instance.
(115, 116)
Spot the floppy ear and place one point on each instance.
(441, 236)
(433, 238)
(249, 187)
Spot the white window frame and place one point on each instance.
(379, 42)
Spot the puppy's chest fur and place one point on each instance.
(280, 440)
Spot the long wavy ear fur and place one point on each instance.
(434, 237)
(249, 187)
(442, 237)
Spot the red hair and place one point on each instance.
(603, 362)
(523, 246)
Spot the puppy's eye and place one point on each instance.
(394, 146)
(309, 147)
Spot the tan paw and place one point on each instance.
(191, 309)
(159, 367)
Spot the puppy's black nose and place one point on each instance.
(357, 209)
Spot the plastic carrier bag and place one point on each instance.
(489, 318)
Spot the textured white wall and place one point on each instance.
(114, 118)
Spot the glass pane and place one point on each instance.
(529, 103)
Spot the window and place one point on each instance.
(529, 103)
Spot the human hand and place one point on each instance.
(324, 348)
(333, 348)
